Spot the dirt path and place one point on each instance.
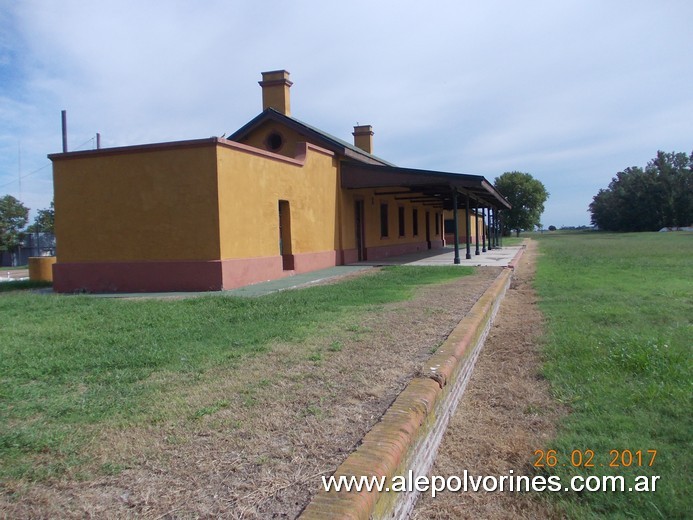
(268, 431)
(505, 414)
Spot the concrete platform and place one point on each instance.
(495, 257)
(295, 281)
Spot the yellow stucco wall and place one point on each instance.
(346, 234)
(290, 138)
(473, 223)
(250, 188)
(215, 200)
(137, 204)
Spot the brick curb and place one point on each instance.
(516, 259)
(409, 433)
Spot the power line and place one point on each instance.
(26, 175)
(90, 140)
(20, 177)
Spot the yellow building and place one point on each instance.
(277, 197)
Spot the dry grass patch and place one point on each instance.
(251, 442)
(505, 414)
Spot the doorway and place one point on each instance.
(285, 236)
(428, 229)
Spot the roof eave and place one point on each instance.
(326, 140)
(357, 176)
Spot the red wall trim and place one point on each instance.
(118, 277)
(306, 262)
(375, 253)
(349, 256)
(238, 272)
(450, 238)
(212, 275)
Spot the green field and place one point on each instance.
(16, 285)
(71, 364)
(619, 311)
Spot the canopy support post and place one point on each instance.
(468, 228)
(457, 233)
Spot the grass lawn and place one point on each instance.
(17, 285)
(513, 240)
(619, 310)
(72, 364)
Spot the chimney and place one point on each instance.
(363, 137)
(275, 91)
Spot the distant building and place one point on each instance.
(33, 244)
(276, 197)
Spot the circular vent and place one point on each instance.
(274, 141)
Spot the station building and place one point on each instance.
(275, 198)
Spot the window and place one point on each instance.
(274, 141)
(415, 217)
(383, 221)
(401, 221)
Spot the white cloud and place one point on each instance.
(570, 92)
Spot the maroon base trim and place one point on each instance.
(239, 272)
(350, 256)
(376, 253)
(450, 238)
(118, 277)
(184, 276)
(306, 262)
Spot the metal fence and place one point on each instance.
(33, 244)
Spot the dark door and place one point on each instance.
(285, 235)
(428, 229)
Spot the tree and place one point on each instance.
(526, 195)
(661, 195)
(13, 217)
(44, 222)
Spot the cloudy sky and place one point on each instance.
(569, 91)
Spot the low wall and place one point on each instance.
(41, 268)
(408, 435)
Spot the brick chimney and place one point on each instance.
(363, 138)
(275, 91)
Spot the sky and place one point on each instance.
(571, 92)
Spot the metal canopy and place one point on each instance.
(424, 183)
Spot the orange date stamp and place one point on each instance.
(587, 459)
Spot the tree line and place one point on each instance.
(649, 199)
(14, 217)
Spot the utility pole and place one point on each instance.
(64, 124)
(19, 167)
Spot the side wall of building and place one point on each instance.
(254, 188)
(136, 218)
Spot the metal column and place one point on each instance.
(457, 233)
(468, 227)
(490, 229)
(496, 244)
(476, 225)
(483, 229)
